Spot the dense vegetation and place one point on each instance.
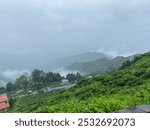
(73, 77)
(2, 90)
(127, 87)
(36, 81)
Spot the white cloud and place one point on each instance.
(114, 53)
(64, 72)
(13, 74)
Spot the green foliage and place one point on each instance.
(12, 102)
(125, 64)
(99, 66)
(36, 81)
(73, 77)
(109, 92)
(40, 76)
(2, 90)
(72, 100)
(10, 87)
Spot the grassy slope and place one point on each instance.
(124, 88)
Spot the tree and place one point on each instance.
(38, 75)
(57, 77)
(10, 87)
(2, 90)
(22, 82)
(146, 75)
(73, 77)
(125, 64)
(78, 76)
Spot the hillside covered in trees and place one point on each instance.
(36, 81)
(125, 88)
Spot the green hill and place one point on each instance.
(84, 57)
(125, 88)
(98, 66)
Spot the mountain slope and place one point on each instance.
(98, 66)
(125, 88)
(85, 57)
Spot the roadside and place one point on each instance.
(136, 109)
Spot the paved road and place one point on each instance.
(57, 88)
(53, 89)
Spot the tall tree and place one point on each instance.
(10, 87)
(38, 75)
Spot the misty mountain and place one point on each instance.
(98, 66)
(13, 65)
(84, 57)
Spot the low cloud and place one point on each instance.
(64, 72)
(113, 53)
(12, 75)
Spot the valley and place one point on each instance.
(123, 88)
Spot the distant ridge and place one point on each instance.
(84, 57)
(98, 66)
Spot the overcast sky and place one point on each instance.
(48, 29)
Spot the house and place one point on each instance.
(89, 77)
(64, 82)
(4, 102)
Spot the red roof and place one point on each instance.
(3, 106)
(3, 98)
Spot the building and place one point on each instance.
(4, 102)
(64, 82)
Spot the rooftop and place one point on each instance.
(3, 98)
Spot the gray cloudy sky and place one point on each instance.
(58, 28)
